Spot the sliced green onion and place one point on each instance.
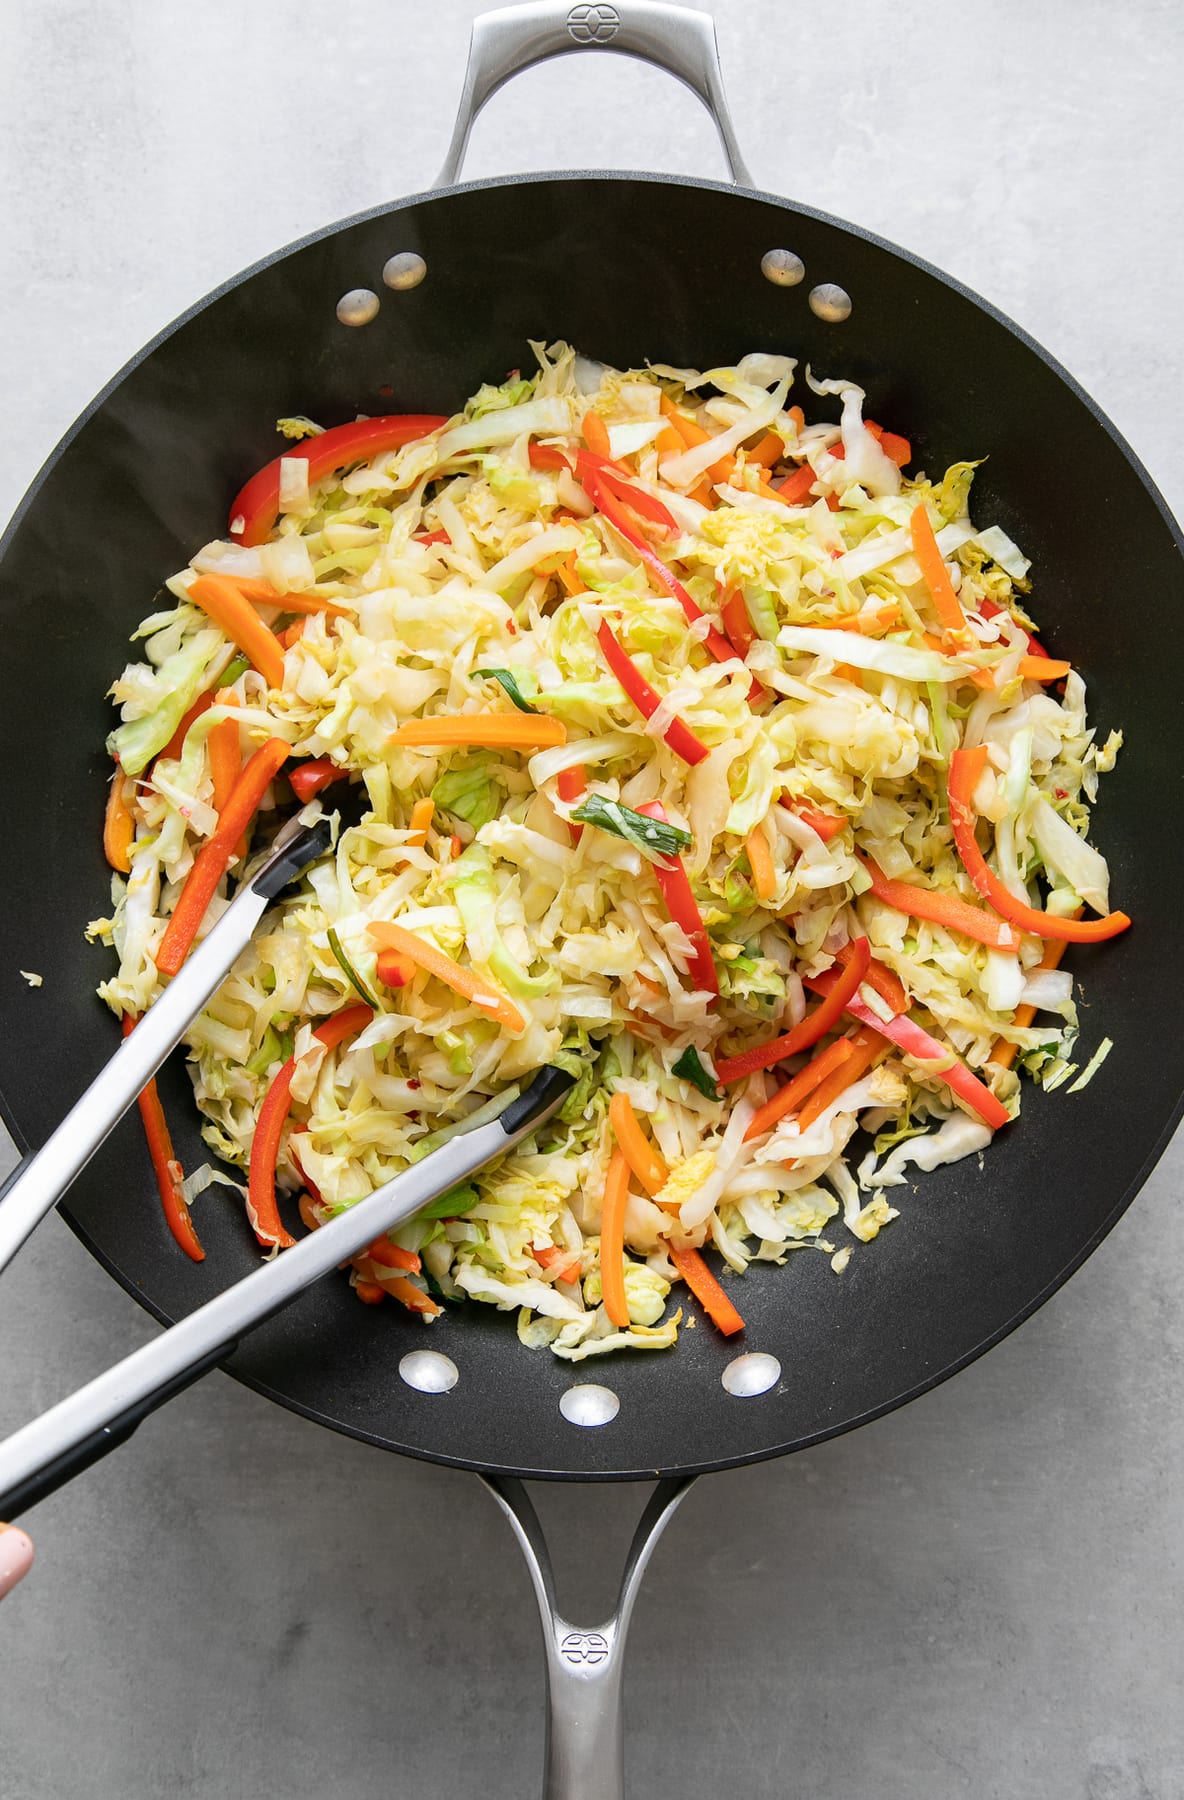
(509, 682)
(653, 837)
(236, 667)
(691, 1067)
(350, 973)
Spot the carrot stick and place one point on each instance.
(226, 761)
(214, 858)
(706, 1290)
(794, 1092)
(933, 568)
(1003, 1052)
(501, 731)
(1043, 668)
(827, 825)
(291, 634)
(475, 988)
(370, 1293)
(165, 1165)
(866, 1045)
(612, 1241)
(948, 910)
(393, 1256)
(262, 1209)
(595, 434)
(119, 827)
(767, 452)
(263, 594)
(221, 600)
(636, 1148)
(422, 814)
(760, 861)
(412, 1297)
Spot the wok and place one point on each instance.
(626, 267)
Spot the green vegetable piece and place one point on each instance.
(470, 791)
(510, 682)
(452, 1205)
(652, 837)
(691, 1067)
(350, 973)
(236, 667)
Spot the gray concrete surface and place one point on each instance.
(980, 1596)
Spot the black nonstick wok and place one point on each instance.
(627, 267)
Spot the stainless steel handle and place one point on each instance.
(42, 1455)
(584, 1756)
(516, 37)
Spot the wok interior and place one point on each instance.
(627, 269)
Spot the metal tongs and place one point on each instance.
(77, 1431)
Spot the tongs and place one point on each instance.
(50, 1451)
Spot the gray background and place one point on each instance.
(981, 1595)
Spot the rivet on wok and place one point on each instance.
(587, 1404)
(755, 1373)
(429, 1371)
(406, 270)
(782, 268)
(830, 303)
(357, 307)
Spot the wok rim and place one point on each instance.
(798, 209)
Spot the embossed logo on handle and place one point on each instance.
(590, 1647)
(593, 24)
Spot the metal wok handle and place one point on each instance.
(584, 1755)
(515, 37)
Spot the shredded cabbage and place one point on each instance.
(468, 579)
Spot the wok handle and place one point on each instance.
(584, 1755)
(516, 37)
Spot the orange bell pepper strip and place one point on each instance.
(477, 989)
(595, 434)
(256, 506)
(706, 1289)
(612, 1241)
(494, 731)
(948, 910)
(827, 825)
(165, 1166)
(933, 568)
(1043, 668)
(680, 737)
(809, 1030)
(119, 825)
(262, 1208)
(966, 766)
(636, 1148)
(221, 600)
(214, 858)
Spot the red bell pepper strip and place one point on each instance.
(176, 743)
(680, 737)
(827, 825)
(889, 986)
(214, 857)
(736, 623)
(940, 909)
(795, 489)
(706, 1289)
(645, 505)
(680, 904)
(916, 1042)
(547, 456)
(257, 505)
(607, 504)
(571, 785)
(165, 1165)
(815, 1025)
(308, 778)
(432, 537)
(262, 1209)
(966, 766)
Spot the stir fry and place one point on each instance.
(705, 753)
